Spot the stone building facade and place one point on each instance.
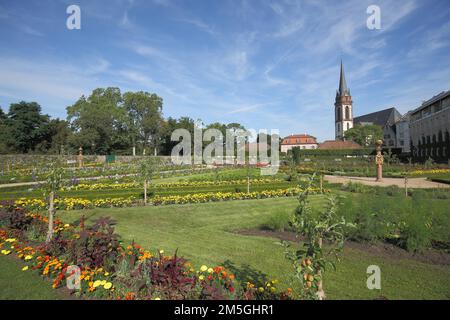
(430, 129)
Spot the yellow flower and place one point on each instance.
(157, 298)
(97, 283)
(161, 251)
(25, 268)
(66, 225)
(261, 289)
(103, 282)
(107, 285)
(201, 277)
(28, 257)
(106, 273)
(6, 252)
(210, 270)
(203, 268)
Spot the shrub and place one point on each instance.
(161, 277)
(96, 246)
(56, 246)
(15, 218)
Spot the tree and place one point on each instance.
(148, 167)
(365, 135)
(53, 183)
(311, 260)
(59, 135)
(295, 151)
(2, 115)
(145, 119)
(3, 132)
(98, 122)
(26, 126)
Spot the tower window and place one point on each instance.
(347, 113)
(348, 126)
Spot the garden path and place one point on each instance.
(400, 182)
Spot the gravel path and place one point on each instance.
(400, 182)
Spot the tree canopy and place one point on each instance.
(365, 135)
(26, 126)
(104, 122)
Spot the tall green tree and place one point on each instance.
(145, 119)
(3, 133)
(365, 135)
(60, 133)
(98, 121)
(27, 127)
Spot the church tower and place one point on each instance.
(343, 108)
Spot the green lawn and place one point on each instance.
(202, 233)
(16, 284)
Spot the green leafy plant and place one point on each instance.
(148, 168)
(53, 183)
(312, 259)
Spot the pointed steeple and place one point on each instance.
(343, 90)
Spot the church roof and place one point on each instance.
(380, 118)
(343, 89)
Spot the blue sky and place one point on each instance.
(265, 64)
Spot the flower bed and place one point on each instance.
(224, 196)
(75, 203)
(97, 265)
(134, 185)
(80, 203)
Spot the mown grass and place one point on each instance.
(16, 284)
(203, 233)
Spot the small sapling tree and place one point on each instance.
(312, 259)
(53, 183)
(148, 168)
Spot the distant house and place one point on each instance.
(303, 141)
(338, 145)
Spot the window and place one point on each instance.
(348, 126)
(347, 113)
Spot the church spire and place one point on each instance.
(343, 90)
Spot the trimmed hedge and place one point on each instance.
(337, 153)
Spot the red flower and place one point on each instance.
(231, 289)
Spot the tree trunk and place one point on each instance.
(320, 291)
(51, 211)
(145, 192)
(248, 184)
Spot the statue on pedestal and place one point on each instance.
(379, 160)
